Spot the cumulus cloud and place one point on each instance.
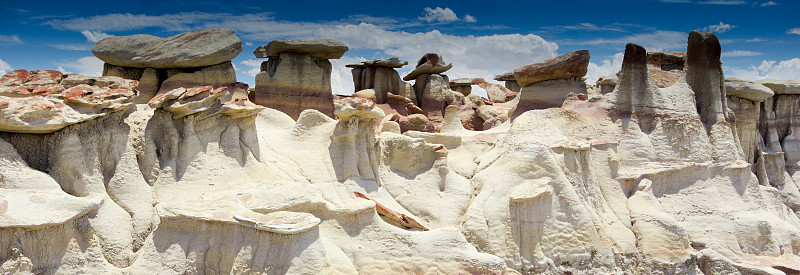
(607, 67)
(767, 4)
(472, 56)
(88, 65)
(769, 69)
(4, 67)
(94, 36)
(739, 53)
(718, 28)
(341, 76)
(793, 31)
(252, 66)
(10, 39)
(657, 40)
(439, 15)
(470, 18)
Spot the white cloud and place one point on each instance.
(72, 47)
(94, 36)
(723, 2)
(88, 65)
(653, 41)
(4, 67)
(755, 39)
(121, 22)
(767, 4)
(10, 39)
(342, 77)
(472, 56)
(470, 18)
(718, 28)
(783, 70)
(252, 66)
(439, 15)
(608, 66)
(793, 31)
(739, 53)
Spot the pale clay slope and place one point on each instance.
(632, 182)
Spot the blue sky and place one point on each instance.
(760, 39)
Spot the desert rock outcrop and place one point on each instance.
(45, 101)
(380, 76)
(547, 84)
(160, 65)
(297, 75)
(689, 178)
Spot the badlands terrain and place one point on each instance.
(167, 165)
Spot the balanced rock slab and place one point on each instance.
(430, 63)
(317, 48)
(199, 48)
(747, 89)
(378, 75)
(571, 65)
(299, 77)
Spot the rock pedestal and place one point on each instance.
(297, 75)
(432, 88)
(510, 82)
(189, 59)
(380, 76)
(547, 84)
(462, 85)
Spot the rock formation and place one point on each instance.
(380, 76)
(431, 87)
(461, 85)
(510, 82)
(46, 101)
(297, 75)
(547, 84)
(160, 65)
(698, 177)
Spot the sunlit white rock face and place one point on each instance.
(640, 179)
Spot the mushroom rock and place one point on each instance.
(510, 82)
(570, 65)
(317, 48)
(297, 75)
(193, 49)
(189, 59)
(431, 63)
(747, 90)
(782, 87)
(461, 85)
(547, 84)
(378, 75)
(353, 140)
(548, 94)
(46, 101)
